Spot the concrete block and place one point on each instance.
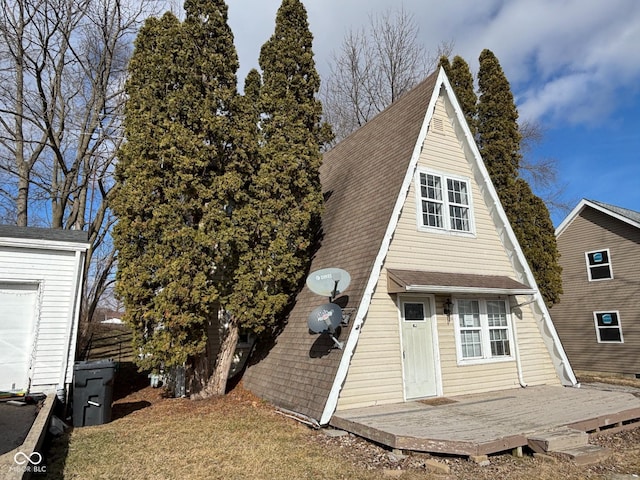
(481, 460)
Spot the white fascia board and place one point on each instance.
(586, 203)
(343, 368)
(43, 244)
(469, 290)
(574, 213)
(563, 367)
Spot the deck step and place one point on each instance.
(587, 454)
(556, 440)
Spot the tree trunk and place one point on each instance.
(217, 382)
(22, 202)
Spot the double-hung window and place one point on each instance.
(608, 328)
(445, 202)
(483, 330)
(599, 265)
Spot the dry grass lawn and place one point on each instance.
(240, 437)
(235, 437)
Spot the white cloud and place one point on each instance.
(565, 59)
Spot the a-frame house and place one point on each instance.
(441, 302)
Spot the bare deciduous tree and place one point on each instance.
(541, 173)
(374, 67)
(62, 69)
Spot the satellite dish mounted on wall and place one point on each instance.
(328, 282)
(326, 319)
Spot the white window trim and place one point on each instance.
(484, 334)
(610, 265)
(445, 202)
(597, 327)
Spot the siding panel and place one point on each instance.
(378, 352)
(573, 317)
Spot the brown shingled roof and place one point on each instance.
(361, 179)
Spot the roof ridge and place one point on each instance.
(626, 212)
(398, 103)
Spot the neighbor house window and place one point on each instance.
(483, 330)
(608, 327)
(599, 265)
(445, 202)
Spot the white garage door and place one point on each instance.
(17, 319)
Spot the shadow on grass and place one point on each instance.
(128, 380)
(56, 450)
(120, 410)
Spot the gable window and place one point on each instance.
(608, 329)
(483, 331)
(599, 265)
(445, 202)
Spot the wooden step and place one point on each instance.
(586, 454)
(558, 439)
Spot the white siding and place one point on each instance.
(375, 373)
(56, 274)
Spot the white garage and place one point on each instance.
(40, 292)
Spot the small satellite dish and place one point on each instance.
(325, 318)
(328, 282)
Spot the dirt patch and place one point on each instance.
(625, 460)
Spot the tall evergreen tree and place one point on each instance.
(171, 177)
(285, 192)
(461, 79)
(499, 143)
(498, 134)
(532, 225)
(238, 275)
(276, 214)
(287, 187)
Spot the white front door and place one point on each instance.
(17, 317)
(417, 349)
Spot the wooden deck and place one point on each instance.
(483, 424)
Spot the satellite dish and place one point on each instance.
(328, 282)
(326, 319)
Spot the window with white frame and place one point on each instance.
(599, 265)
(483, 330)
(608, 328)
(445, 202)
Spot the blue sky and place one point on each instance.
(574, 67)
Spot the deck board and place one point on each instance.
(488, 423)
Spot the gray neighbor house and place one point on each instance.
(598, 316)
(441, 301)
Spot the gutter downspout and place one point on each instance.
(516, 350)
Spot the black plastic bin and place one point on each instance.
(92, 392)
